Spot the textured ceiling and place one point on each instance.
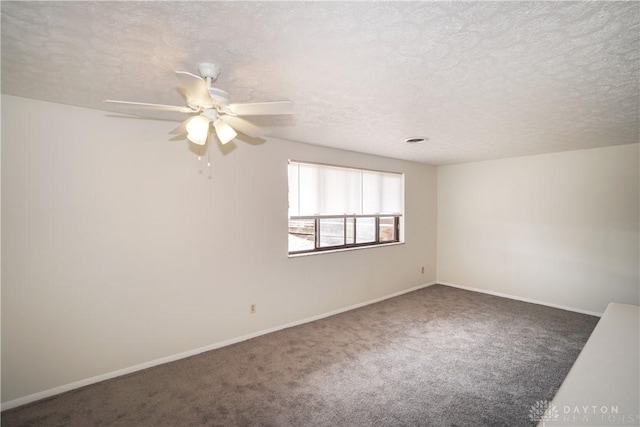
(481, 80)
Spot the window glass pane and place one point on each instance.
(365, 230)
(326, 190)
(392, 193)
(340, 191)
(381, 193)
(308, 182)
(301, 235)
(331, 232)
(371, 192)
(294, 189)
(387, 232)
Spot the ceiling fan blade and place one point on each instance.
(262, 108)
(148, 106)
(196, 89)
(243, 126)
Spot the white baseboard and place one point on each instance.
(109, 375)
(514, 297)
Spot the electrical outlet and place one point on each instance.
(252, 309)
(422, 270)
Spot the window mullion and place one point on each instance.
(396, 228)
(354, 229)
(344, 231)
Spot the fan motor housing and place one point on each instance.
(219, 96)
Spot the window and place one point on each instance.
(332, 207)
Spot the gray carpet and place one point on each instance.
(439, 356)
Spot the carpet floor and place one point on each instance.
(439, 356)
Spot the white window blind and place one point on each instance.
(331, 190)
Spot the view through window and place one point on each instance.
(334, 207)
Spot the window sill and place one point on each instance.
(331, 251)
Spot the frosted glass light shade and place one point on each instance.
(198, 130)
(224, 131)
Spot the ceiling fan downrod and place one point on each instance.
(209, 71)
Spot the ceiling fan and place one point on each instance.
(211, 105)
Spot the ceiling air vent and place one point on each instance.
(416, 140)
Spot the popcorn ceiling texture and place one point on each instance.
(482, 80)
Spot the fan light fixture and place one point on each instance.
(224, 131)
(213, 105)
(198, 130)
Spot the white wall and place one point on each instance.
(120, 248)
(560, 228)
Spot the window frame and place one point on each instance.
(376, 242)
(317, 248)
